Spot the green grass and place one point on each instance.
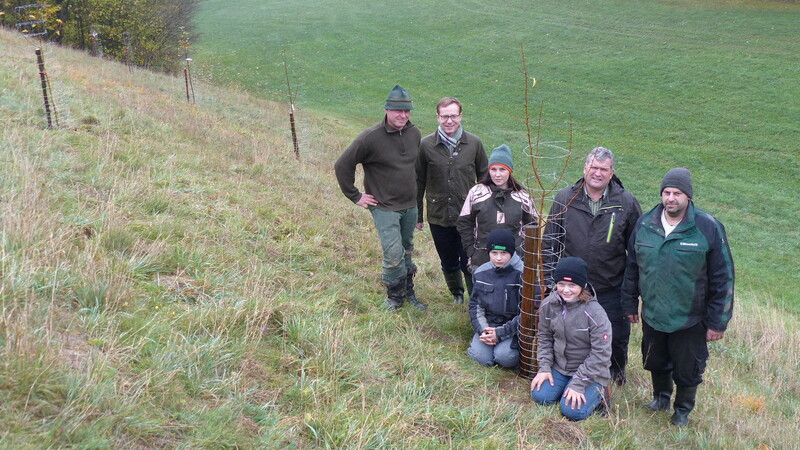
(171, 277)
(711, 86)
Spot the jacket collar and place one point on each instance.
(464, 139)
(685, 223)
(391, 130)
(507, 268)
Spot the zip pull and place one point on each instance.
(611, 227)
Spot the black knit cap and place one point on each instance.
(501, 239)
(678, 178)
(572, 269)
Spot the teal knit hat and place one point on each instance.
(502, 155)
(398, 99)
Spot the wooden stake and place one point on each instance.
(294, 133)
(43, 79)
(529, 311)
(186, 80)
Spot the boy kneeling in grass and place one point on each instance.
(494, 304)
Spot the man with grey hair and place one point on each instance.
(593, 220)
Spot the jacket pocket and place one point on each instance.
(483, 287)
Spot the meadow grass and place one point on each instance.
(171, 277)
(711, 86)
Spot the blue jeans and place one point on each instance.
(547, 395)
(396, 232)
(488, 355)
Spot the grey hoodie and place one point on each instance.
(575, 340)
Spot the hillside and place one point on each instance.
(173, 277)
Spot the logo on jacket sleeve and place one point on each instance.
(605, 336)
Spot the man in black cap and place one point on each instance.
(388, 154)
(593, 220)
(680, 263)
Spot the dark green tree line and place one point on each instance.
(153, 33)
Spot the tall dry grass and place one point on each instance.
(173, 277)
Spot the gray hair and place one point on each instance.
(600, 154)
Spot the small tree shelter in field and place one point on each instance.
(292, 97)
(31, 20)
(549, 162)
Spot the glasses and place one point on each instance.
(445, 118)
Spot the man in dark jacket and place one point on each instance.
(680, 263)
(450, 162)
(593, 220)
(388, 154)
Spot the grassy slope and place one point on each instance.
(171, 276)
(712, 87)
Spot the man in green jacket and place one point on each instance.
(680, 263)
(450, 162)
(388, 153)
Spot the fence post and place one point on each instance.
(43, 79)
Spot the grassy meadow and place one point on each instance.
(711, 86)
(172, 277)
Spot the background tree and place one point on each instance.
(157, 28)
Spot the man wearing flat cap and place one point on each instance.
(680, 263)
(387, 152)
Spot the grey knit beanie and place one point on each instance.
(398, 99)
(678, 178)
(502, 155)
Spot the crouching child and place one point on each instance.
(574, 350)
(494, 305)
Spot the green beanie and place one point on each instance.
(398, 99)
(502, 155)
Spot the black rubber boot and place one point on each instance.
(410, 295)
(468, 282)
(662, 391)
(684, 404)
(395, 294)
(453, 280)
(619, 377)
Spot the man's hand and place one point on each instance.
(633, 318)
(712, 335)
(420, 226)
(366, 201)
